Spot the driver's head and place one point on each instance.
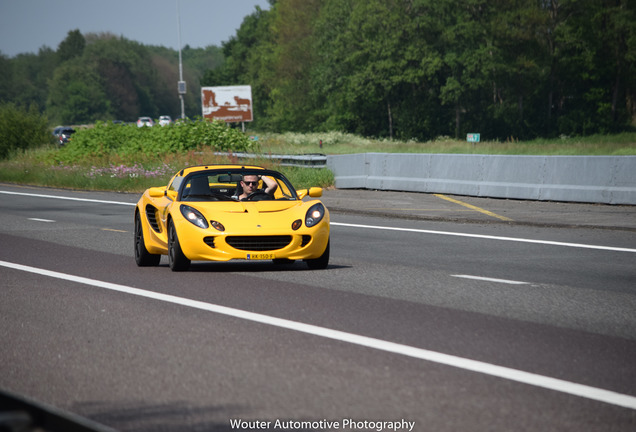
(249, 183)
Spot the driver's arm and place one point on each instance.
(271, 184)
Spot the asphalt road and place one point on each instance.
(436, 313)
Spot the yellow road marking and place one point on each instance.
(470, 206)
(408, 209)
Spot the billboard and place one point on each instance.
(231, 104)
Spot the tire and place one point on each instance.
(176, 259)
(321, 262)
(143, 258)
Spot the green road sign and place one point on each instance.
(472, 137)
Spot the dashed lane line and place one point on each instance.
(513, 239)
(554, 384)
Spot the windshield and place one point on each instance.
(227, 185)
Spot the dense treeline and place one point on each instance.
(425, 68)
(103, 77)
(409, 69)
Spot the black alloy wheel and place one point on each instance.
(176, 258)
(143, 258)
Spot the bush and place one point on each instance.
(128, 141)
(21, 129)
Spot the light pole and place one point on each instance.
(181, 85)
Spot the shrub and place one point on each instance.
(21, 129)
(128, 141)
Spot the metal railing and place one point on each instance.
(314, 160)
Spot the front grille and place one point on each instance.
(258, 243)
(151, 214)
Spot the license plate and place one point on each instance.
(261, 256)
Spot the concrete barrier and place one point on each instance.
(593, 179)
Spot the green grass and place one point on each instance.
(339, 143)
(136, 172)
(40, 167)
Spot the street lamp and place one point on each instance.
(181, 85)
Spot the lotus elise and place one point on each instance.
(230, 212)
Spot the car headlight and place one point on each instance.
(193, 216)
(315, 214)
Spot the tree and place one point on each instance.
(248, 61)
(21, 129)
(76, 95)
(72, 46)
(292, 61)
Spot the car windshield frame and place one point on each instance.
(284, 192)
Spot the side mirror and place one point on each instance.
(172, 194)
(314, 192)
(156, 192)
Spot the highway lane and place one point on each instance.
(141, 364)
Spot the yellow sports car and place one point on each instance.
(226, 212)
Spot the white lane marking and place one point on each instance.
(448, 233)
(488, 237)
(41, 220)
(481, 278)
(536, 380)
(68, 198)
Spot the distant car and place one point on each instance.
(145, 121)
(201, 216)
(165, 120)
(63, 134)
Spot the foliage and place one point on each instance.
(344, 143)
(127, 141)
(395, 69)
(134, 173)
(103, 77)
(112, 172)
(71, 47)
(24, 79)
(21, 129)
(424, 68)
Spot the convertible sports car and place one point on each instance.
(205, 215)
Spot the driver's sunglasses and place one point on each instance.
(253, 183)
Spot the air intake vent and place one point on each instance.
(209, 241)
(151, 214)
(258, 243)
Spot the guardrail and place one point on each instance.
(314, 160)
(593, 179)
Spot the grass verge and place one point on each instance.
(137, 172)
(39, 167)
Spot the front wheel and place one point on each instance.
(321, 262)
(143, 258)
(176, 259)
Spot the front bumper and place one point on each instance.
(211, 245)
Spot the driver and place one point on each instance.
(250, 185)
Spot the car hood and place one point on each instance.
(245, 216)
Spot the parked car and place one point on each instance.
(145, 121)
(63, 134)
(165, 120)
